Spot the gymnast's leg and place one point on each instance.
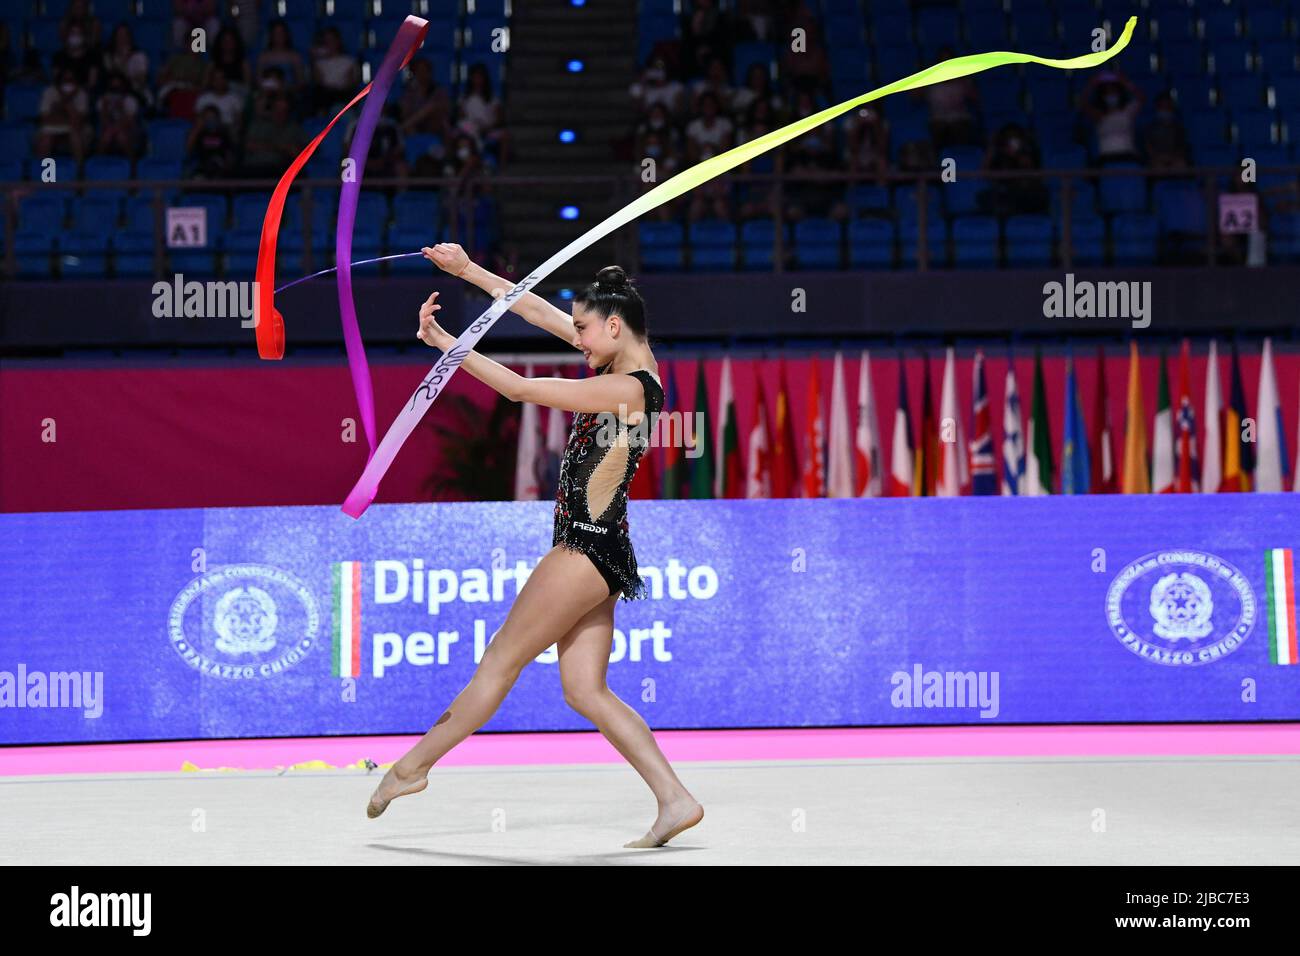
(584, 661)
(561, 589)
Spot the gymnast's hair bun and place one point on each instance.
(613, 279)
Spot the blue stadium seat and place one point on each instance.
(871, 243)
(1183, 56)
(713, 245)
(1206, 126)
(95, 212)
(986, 31)
(1254, 128)
(817, 243)
(167, 138)
(661, 245)
(1134, 237)
(1180, 207)
(84, 253)
(975, 242)
(1277, 57)
(34, 253)
(1221, 23)
(421, 211)
(962, 196)
(1266, 23)
(249, 210)
(16, 140)
(1029, 241)
(1123, 193)
(42, 212)
(908, 205)
(22, 102)
(936, 238)
(1242, 91)
(11, 170)
(150, 168)
(1284, 237)
(864, 197)
(757, 239)
(1232, 56)
(133, 253)
(1088, 240)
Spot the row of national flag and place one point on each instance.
(842, 453)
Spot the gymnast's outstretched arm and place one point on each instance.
(450, 257)
(599, 393)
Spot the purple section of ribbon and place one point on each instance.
(407, 36)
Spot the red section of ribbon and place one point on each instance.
(270, 334)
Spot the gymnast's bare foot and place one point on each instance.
(681, 814)
(395, 784)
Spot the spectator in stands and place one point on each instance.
(191, 15)
(755, 19)
(63, 125)
(229, 58)
(1112, 102)
(425, 106)
(866, 142)
(758, 86)
(120, 133)
(280, 53)
(210, 147)
(274, 139)
(479, 114)
(78, 18)
(951, 105)
(228, 103)
(705, 35)
(386, 157)
(122, 56)
(715, 81)
(462, 160)
(180, 81)
(337, 74)
(709, 133)
(812, 152)
(659, 127)
(663, 146)
(1165, 138)
(1013, 148)
(655, 86)
(80, 57)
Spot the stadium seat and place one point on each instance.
(817, 243)
(975, 242)
(1134, 236)
(661, 245)
(871, 243)
(1029, 241)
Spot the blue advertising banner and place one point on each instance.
(300, 621)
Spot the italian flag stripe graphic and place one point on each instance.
(347, 619)
(1280, 579)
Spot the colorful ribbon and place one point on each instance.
(270, 335)
(363, 493)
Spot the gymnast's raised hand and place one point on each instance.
(447, 256)
(431, 333)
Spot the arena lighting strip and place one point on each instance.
(270, 336)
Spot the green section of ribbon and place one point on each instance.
(952, 69)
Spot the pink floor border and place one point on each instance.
(679, 745)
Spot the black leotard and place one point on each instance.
(599, 461)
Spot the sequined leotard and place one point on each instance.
(599, 461)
